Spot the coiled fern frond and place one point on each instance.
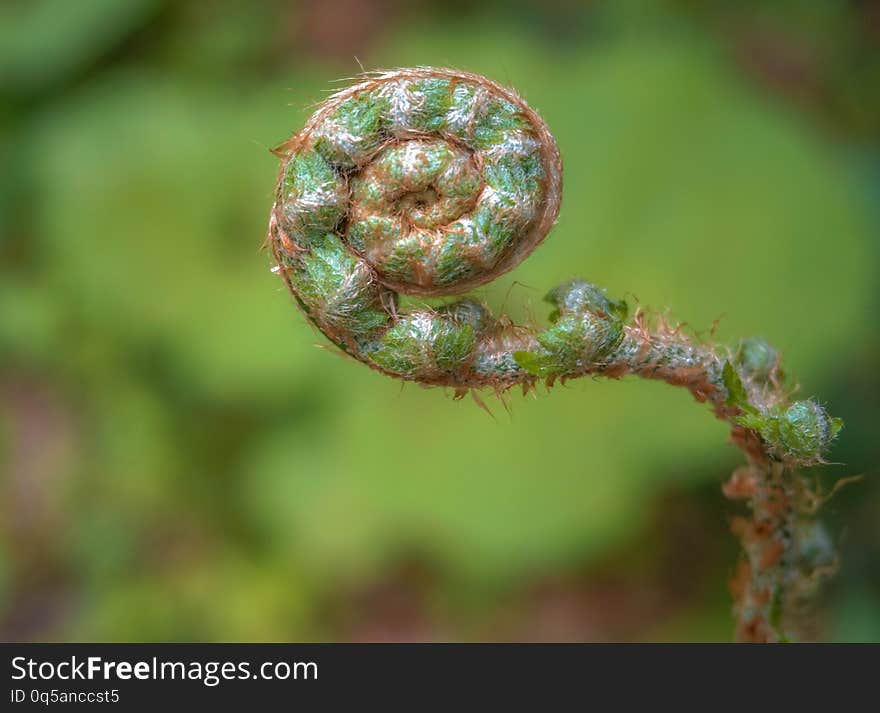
(430, 182)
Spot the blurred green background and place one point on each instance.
(178, 461)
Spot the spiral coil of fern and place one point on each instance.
(430, 182)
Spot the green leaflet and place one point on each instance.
(736, 392)
(586, 327)
(803, 431)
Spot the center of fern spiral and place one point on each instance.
(408, 211)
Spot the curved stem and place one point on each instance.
(768, 576)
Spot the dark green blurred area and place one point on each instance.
(178, 461)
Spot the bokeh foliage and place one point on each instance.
(179, 460)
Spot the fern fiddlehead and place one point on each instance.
(430, 182)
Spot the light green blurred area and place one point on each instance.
(197, 468)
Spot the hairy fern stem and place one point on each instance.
(430, 182)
